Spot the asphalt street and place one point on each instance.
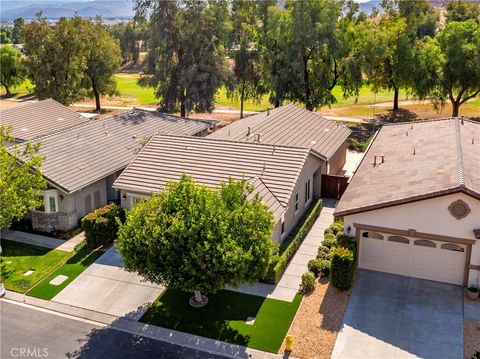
(31, 333)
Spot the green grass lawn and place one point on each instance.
(132, 92)
(72, 269)
(224, 317)
(17, 258)
(24, 89)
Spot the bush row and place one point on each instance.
(292, 242)
(101, 226)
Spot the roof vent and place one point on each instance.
(24, 129)
(59, 119)
(259, 137)
(268, 112)
(134, 137)
(249, 131)
(383, 158)
(374, 160)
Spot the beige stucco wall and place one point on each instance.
(337, 161)
(428, 216)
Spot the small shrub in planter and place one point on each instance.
(329, 241)
(346, 242)
(476, 355)
(323, 252)
(314, 267)
(308, 282)
(101, 226)
(342, 268)
(324, 265)
(327, 231)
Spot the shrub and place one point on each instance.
(323, 252)
(314, 267)
(347, 242)
(292, 242)
(101, 226)
(337, 228)
(308, 282)
(324, 266)
(329, 241)
(342, 268)
(327, 231)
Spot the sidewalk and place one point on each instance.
(289, 284)
(43, 241)
(146, 330)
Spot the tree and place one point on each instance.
(186, 61)
(17, 35)
(55, 58)
(388, 55)
(246, 80)
(195, 238)
(449, 67)
(5, 36)
(313, 50)
(103, 58)
(459, 10)
(20, 178)
(10, 73)
(420, 17)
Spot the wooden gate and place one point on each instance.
(333, 186)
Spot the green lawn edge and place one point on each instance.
(74, 266)
(224, 317)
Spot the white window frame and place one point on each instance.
(296, 205)
(47, 194)
(308, 192)
(134, 198)
(283, 232)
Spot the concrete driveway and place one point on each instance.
(107, 287)
(390, 316)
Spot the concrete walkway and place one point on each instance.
(43, 241)
(290, 282)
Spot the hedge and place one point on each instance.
(292, 242)
(308, 282)
(101, 226)
(342, 268)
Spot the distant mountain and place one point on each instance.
(118, 9)
(368, 6)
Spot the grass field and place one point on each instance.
(18, 258)
(72, 269)
(224, 317)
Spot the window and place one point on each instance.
(296, 203)
(41, 207)
(452, 247)
(88, 204)
(424, 243)
(398, 239)
(373, 235)
(307, 191)
(283, 227)
(52, 201)
(96, 199)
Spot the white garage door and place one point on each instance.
(413, 257)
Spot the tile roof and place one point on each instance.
(81, 155)
(39, 119)
(422, 160)
(272, 169)
(289, 125)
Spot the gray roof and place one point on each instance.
(422, 160)
(289, 125)
(40, 118)
(273, 170)
(84, 154)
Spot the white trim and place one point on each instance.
(47, 194)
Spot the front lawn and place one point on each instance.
(224, 317)
(18, 258)
(71, 269)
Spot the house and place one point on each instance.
(285, 171)
(39, 118)
(82, 162)
(291, 125)
(414, 202)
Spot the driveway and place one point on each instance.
(391, 316)
(107, 287)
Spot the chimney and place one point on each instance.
(249, 131)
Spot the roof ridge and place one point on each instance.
(30, 103)
(460, 167)
(269, 190)
(427, 120)
(233, 141)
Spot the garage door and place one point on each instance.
(413, 257)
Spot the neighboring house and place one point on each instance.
(414, 202)
(294, 126)
(287, 176)
(39, 118)
(81, 163)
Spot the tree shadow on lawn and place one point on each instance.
(401, 115)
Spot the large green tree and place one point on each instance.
(448, 67)
(55, 58)
(20, 178)
(243, 49)
(460, 10)
(186, 59)
(198, 239)
(103, 58)
(17, 35)
(10, 71)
